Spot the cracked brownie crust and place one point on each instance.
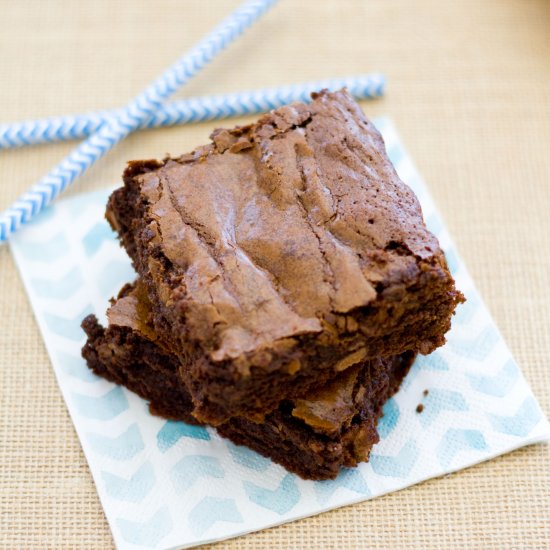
(282, 253)
(314, 436)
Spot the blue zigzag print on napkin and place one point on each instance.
(131, 490)
(455, 441)
(248, 458)
(433, 362)
(389, 419)
(62, 288)
(123, 447)
(396, 466)
(148, 533)
(113, 276)
(106, 407)
(76, 367)
(96, 236)
(349, 478)
(399, 465)
(173, 431)
(47, 251)
(452, 260)
(210, 510)
(280, 500)
(521, 423)
(67, 327)
(192, 469)
(499, 384)
(439, 401)
(477, 348)
(465, 312)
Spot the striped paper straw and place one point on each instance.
(141, 108)
(198, 109)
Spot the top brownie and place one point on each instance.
(282, 253)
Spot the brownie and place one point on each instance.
(314, 437)
(282, 253)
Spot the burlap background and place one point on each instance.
(469, 89)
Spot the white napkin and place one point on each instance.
(165, 484)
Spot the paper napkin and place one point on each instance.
(165, 484)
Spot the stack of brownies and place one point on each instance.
(286, 282)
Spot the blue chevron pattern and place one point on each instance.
(396, 154)
(123, 447)
(173, 431)
(458, 441)
(452, 261)
(59, 289)
(433, 362)
(67, 327)
(148, 533)
(479, 347)
(134, 489)
(478, 404)
(113, 276)
(465, 312)
(194, 468)
(106, 407)
(350, 479)
(96, 236)
(434, 223)
(76, 367)
(210, 510)
(399, 465)
(247, 458)
(438, 401)
(47, 251)
(498, 385)
(521, 423)
(280, 500)
(389, 421)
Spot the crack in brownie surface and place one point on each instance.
(280, 249)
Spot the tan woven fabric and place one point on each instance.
(469, 90)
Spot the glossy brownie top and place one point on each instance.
(282, 228)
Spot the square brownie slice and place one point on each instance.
(283, 253)
(314, 436)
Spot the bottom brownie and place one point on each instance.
(313, 437)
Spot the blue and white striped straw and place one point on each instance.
(141, 108)
(198, 109)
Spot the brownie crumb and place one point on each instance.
(425, 393)
(419, 408)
